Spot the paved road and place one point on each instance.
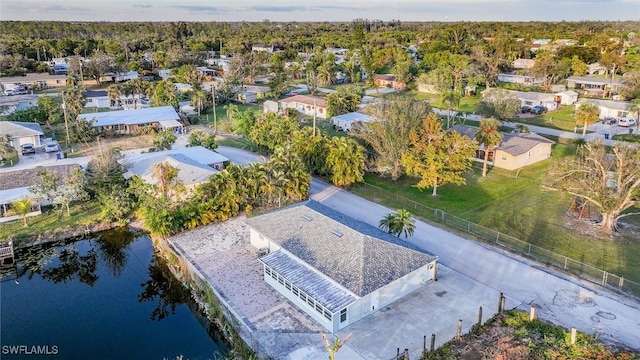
(557, 297)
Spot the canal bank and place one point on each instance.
(219, 260)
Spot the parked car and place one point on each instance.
(28, 149)
(51, 148)
(538, 110)
(609, 120)
(626, 121)
(525, 109)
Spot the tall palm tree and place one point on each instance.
(587, 114)
(114, 93)
(398, 223)
(22, 207)
(138, 86)
(451, 100)
(490, 136)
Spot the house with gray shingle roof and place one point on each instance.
(609, 108)
(335, 268)
(22, 133)
(516, 150)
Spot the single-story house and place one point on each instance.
(126, 121)
(270, 106)
(516, 150)
(308, 105)
(520, 79)
(260, 92)
(529, 98)
(609, 108)
(15, 186)
(11, 104)
(22, 133)
(263, 48)
(195, 164)
(344, 122)
(596, 69)
(523, 63)
(594, 86)
(37, 81)
(336, 269)
(388, 80)
(568, 97)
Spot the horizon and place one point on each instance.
(446, 11)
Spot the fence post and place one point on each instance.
(566, 259)
(498, 237)
(468, 226)
(529, 249)
(459, 330)
(433, 342)
(604, 277)
(406, 354)
(480, 316)
(397, 353)
(621, 282)
(532, 313)
(573, 335)
(500, 303)
(424, 345)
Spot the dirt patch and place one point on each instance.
(123, 143)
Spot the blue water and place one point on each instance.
(104, 298)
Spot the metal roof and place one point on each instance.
(358, 256)
(131, 117)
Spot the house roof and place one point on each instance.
(11, 195)
(28, 177)
(385, 77)
(568, 93)
(357, 256)
(512, 143)
(314, 284)
(16, 129)
(131, 117)
(609, 104)
(307, 100)
(594, 80)
(533, 96)
(189, 171)
(257, 89)
(353, 116)
(193, 163)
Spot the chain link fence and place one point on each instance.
(511, 243)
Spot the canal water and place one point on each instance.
(109, 297)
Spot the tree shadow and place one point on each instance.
(163, 288)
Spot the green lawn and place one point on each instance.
(89, 213)
(518, 207)
(560, 119)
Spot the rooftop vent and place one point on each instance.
(307, 217)
(337, 233)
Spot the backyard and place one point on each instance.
(515, 204)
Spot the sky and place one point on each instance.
(325, 10)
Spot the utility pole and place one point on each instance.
(215, 120)
(315, 111)
(66, 123)
(81, 77)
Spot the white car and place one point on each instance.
(626, 121)
(51, 148)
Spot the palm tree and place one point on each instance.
(579, 143)
(451, 99)
(22, 207)
(114, 94)
(587, 114)
(334, 347)
(138, 86)
(398, 223)
(346, 161)
(490, 136)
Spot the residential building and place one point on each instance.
(568, 97)
(530, 98)
(388, 80)
(336, 269)
(307, 105)
(11, 104)
(516, 150)
(22, 133)
(596, 69)
(520, 79)
(610, 108)
(344, 122)
(594, 86)
(127, 121)
(523, 63)
(263, 48)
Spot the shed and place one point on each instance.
(568, 97)
(270, 106)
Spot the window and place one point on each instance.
(295, 291)
(287, 285)
(310, 301)
(319, 308)
(303, 296)
(267, 270)
(343, 315)
(327, 314)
